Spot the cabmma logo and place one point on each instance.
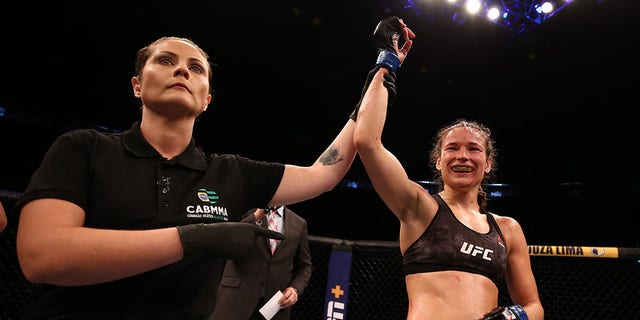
(208, 196)
(207, 210)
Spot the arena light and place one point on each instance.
(473, 6)
(519, 16)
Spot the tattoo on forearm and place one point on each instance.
(331, 156)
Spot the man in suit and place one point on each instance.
(249, 282)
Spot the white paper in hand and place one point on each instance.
(272, 306)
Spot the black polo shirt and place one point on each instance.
(122, 182)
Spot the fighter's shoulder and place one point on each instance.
(506, 222)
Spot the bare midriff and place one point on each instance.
(449, 295)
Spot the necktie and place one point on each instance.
(273, 226)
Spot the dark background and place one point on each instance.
(560, 99)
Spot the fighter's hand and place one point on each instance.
(512, 312)
(387, 37)
(407, 35)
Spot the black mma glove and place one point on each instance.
(513, 312)
(389, 83)
(229, 240)
(385, 33)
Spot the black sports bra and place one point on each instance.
(447, 244)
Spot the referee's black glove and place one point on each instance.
(229, 240)
(389, 83)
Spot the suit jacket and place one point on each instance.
(244, 280)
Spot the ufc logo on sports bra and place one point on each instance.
(476, 251)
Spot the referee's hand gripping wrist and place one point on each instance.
(389, 83)
(386, 36)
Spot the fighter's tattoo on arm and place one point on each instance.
(331, 156)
